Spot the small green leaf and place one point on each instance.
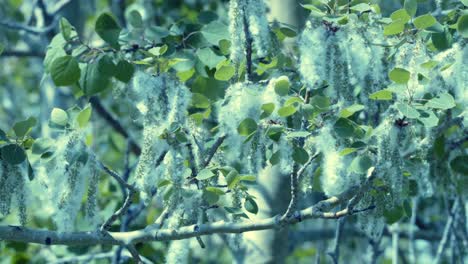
(362, 7)
(399, 75)
(224, 73)
(400, 16)
(65, 71)
(429, 119)
(286, 111)
(411, 6)
(214, 190)
(211, 197)
(23, 128)
(108, 29)
(209, 58)
(251, 206)
(59, 117)
(232, 179)
(92, 80)
(394, 28)
(300, 155)
(124, 71)
(200, 101)
(288, 32)
(267, 108)
(407, 110)
(83, 117)
(164, 182)
(443, 101)
(135, 19)
(67, 30)
(361, 164)
(424, 21)
(205, 174)
(344, 127)
(460, 164)
(349, 111)
(282, 85)
(347, 151)
(462, 26)
(30, 172)
(247, 127)
(215, 31)
(13, 154)
(393, 215)
(106, 66)
(224, 46)
(382, 95)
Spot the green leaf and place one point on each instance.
(462, 26)
(211, 197)
(59, 117)
(362, 7)
(429, 119)
(361, 164)
(286, 111)
(93, 81)
(288, 32)
(460, 164)
(106, 66)
(300, 155)
(275, 158)
(251, 206)
(164, 182)
(224, 46)
(282, 86)
(247, 127)
(67, 30)
(407, 110)
(232, 179)
(424, 21)
(443, 101)
(399, 75)
(65, 71)
(224, 71)
(54, 51)
(393, 215)
(394, 28)
(249, 178)
(135, 19)
(205, 174)
(108, 29)
(400, 16)
(411, 6)
(22, 128)
(267, 108)
(215, 32)
(30, 172)
(200, 101)
(209, 58)
(442, 41)
(214, 190)
(83, 116)
(124, 71)
(349, 111)
(382, 95)
(347, 151)
(344, 127)
(13, 154)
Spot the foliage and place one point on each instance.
(191, 113)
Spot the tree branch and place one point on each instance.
(22, 53)
(32, 30)
(114, 123)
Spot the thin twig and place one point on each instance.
(32, 30)
(22, 53)
(446, 234)
(335, 253)
(211, 152)
(114, 123)
(122, 210)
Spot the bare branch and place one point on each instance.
(32, 30)
(446, 234)
(22, 53)
(335, 253)
(122, 210)
(212, 151)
